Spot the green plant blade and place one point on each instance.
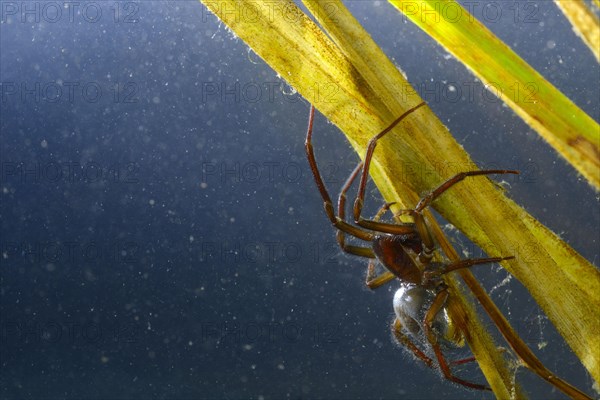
(568, 129)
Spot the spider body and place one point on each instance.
(397, 254)
(422, 323)
(406, 251)
(411, 303)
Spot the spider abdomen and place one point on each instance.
(411, 303)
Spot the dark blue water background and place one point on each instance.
(161, 233)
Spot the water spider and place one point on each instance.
(406, 250)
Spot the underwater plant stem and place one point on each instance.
(584, 22)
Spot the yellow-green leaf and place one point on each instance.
(585, 23)
(572, 133)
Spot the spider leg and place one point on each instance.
(340, 236)
(358, 203)
(434, 274)
(426, 200)
(405, 341)
(468, 263)
(428, 244)
(431, 196)
(345, 188)
(372, 224)
(373, 280)
(436, 307)
(335, 221)
(463, 361)
(421, 225)
(394, 229)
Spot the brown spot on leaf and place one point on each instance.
(584, 146)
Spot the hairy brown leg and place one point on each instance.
(433, 274)
(374, 281)
(436, 307)
(358, 203)
(405, 341)
(435, 193)
(340, 235)
(335, 221)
